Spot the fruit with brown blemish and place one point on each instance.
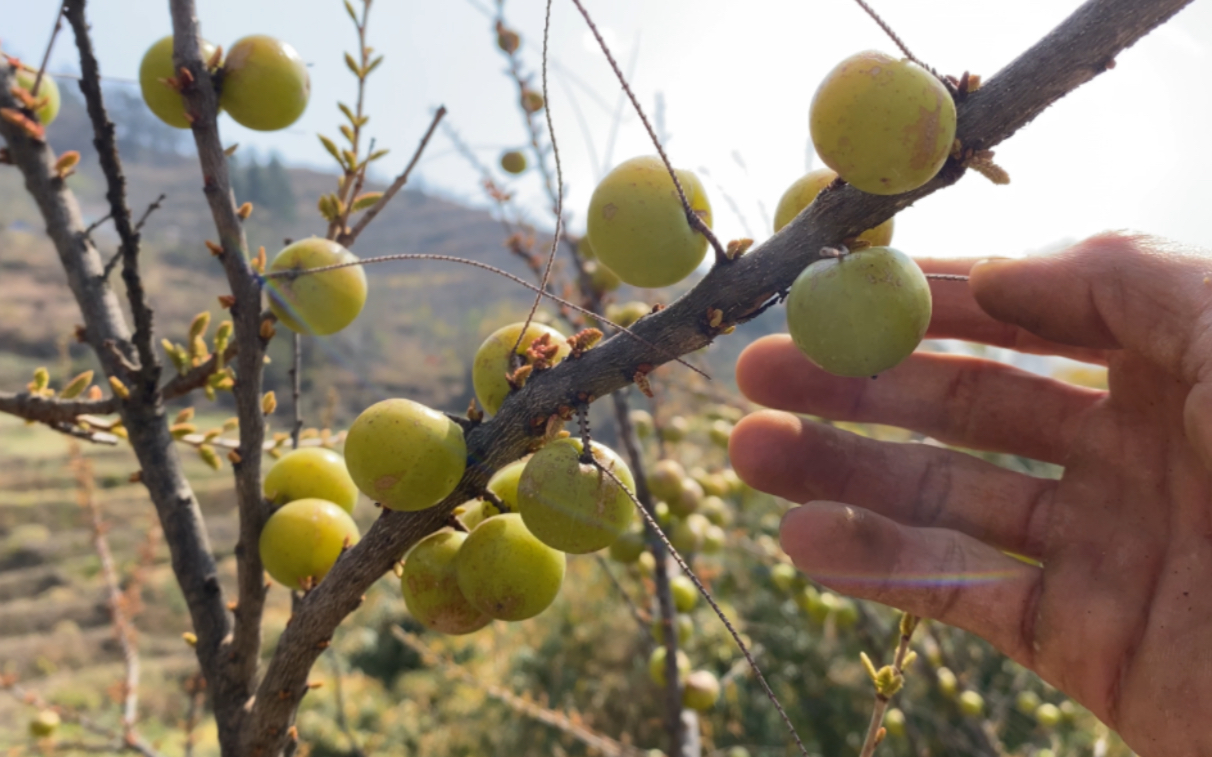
(506, 572)
(405, 455)
(430, 585)
(805, 189)
(885, 125)
(493, 363)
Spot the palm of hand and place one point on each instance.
(1115, 616)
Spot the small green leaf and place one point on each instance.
(353, 65)
(376, 155)
(330, 146)
(347, 133)
(350, 10)
(348, 113)
(374, 64)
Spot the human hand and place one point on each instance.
(1119, 616)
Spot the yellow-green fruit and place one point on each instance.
(732, 481)
(506, 572)
(845, 613)
(685, 593)
(303, 539)
(641, 421)
(665, 479)
(683, 624)
(971, 704)
(316, 303)
(714, 509)
(265, 83)
(430, 586)
(656, 666)
(627, 313)
(675, 429)
(646, 564)
(1048, 715)
(660, 511)
(628, 547)
(805, 189)
(504, 483)
(860, 314)
(885, 125)
(687, 499)
(738, 751)
(894, 721)
(688, 533)
(574, 506)
(947, 683)
(474, 512)
(585, 249)
(784, 576)
(492, 362)
(513, 161)
(47, 89)
(808, 599)
(405, 455)
(638, 227)
(311, 473)
(601, 278)
(719, 431)
(1027, 702)
(701, 692)
(44, 724)
(160, 97)
(714, 538)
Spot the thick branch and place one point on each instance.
(33, 407)
(1072, 54)
(115, 180)
(105, 331)
(243, 652)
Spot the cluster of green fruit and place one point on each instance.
(821, 607)
(885, 126)
(263, 83)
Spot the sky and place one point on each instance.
(1129, 150)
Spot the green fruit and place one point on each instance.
(628, 547)
(688, 533)
(311, 473)
(1048, 715)
(154, 72)
(805, 189)
(685, 593)
(738, 751)
(638, 227)
(574, 506)
(585, 249)
(732, 482)
(675, 429)
(1027, 702)
(701, 692)
(665, 479)
(641, 421)
(845, 613)
(894, 721)
(474, 512)
(513, 161)
(303, 539)
(404, 455)
(714, 539)
(602, 279)
(504, 483)
(44, 724)
(656, 666)
(646, 564)
(687, 499)
(719, 431)
(682, 623)
(885, 125)
(715, 510)
(947, 683)
(808, 599)
(628, 313)
(430, 586)
(492, 362)
(784, 576)
(265, 83)
(316, 303)
(660, 511)
(507, 573)
(859, 314)
(971, 704)
(47, 89)
(1068, 710)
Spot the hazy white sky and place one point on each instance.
(1129, 150)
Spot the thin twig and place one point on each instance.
(632, 608)
(396, 186)
(888, 30)
(153, 207)
(291, 274)
(559, 197)
(296, 388)
(339, 696)
(736, 637)
(49, 46)
(97, 224)
(692, 218)
(907, 626)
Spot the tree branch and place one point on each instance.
(34, 407)
(233, 686)
(1076, 51)
(105, 331)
